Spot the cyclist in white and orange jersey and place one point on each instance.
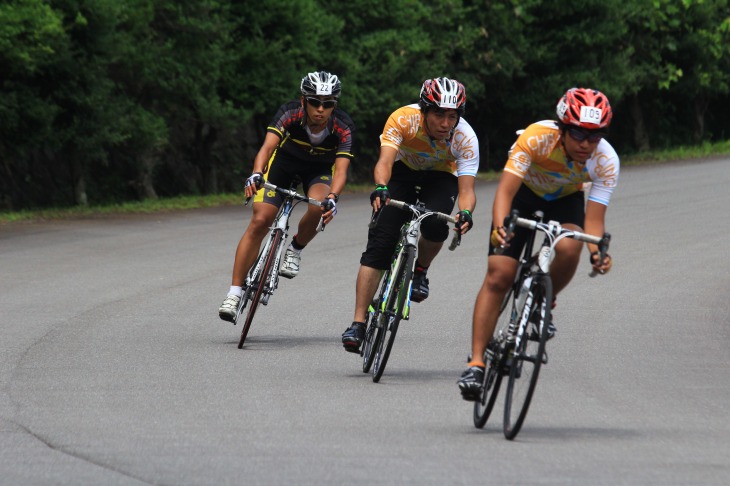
(427, 145)
(546, 170)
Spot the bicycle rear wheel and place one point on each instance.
(495, 364)
(257, 287)
(394, 308)
(529, 355)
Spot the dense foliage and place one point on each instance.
(115, 100)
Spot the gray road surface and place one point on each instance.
(115, 369)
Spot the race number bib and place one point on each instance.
(324, 89)
(590, 114)
(448, 101)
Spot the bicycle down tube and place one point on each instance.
(517, 349)
(392, 303)
(263, 277)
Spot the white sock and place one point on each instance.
(298, 252)
(237, 291)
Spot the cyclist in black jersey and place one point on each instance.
(309, 139)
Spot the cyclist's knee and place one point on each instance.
(259, 224)
(499, 276)
(498, 283)
(568, 255)
(435, 231)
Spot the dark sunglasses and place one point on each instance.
(579, 135)
(316, 102)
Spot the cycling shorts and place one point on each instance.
(438, 191)
(283, 171)
(565, 210)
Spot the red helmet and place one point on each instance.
(443, 93)
(585, 108)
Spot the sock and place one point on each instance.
(235, 290)
(475, 363)
(294, 245)
(420, 268)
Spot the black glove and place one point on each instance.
(257, 178)
(464, 217)
(380, 192)
(329, 203)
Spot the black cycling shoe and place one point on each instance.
(353, 337)
(471, 382)
(419, 288)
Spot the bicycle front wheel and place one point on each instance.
(528, 356)
(374, 330)
(495, 362)
(258, 286)
(395, 308)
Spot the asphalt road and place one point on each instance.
(115, 369)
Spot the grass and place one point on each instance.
(190, 202)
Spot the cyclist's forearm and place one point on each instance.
(467, 196)
(264, 154)
(339, 177)
(384, 167)
(594, 221)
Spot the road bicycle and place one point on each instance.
(263, 277)
(517, 348)
(392, 302)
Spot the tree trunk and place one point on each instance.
(700, 108)
(79, 182)
(641, 137)
(145, 185)
(205, 138)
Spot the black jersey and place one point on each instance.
(289, 124)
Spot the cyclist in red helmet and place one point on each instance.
(427, 145)
(548, 169)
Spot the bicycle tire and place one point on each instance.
(394, 308)
(495, 366)
(374, 329)
(528, 358)
(257, 287)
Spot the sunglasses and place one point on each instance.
(579, 135)
(316, 103)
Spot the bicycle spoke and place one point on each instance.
(395, 305)
(258, 287)
(527, 358)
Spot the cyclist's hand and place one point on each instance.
(498, 238)
(253, 184)
(329, 209)
(464, 221)
(379, 196)
(602, 267)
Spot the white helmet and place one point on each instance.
(321, 83)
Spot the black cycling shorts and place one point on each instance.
(565, 210)
(284, 170)
(438, 191)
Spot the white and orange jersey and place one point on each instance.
(404, 132)
(539, 159)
